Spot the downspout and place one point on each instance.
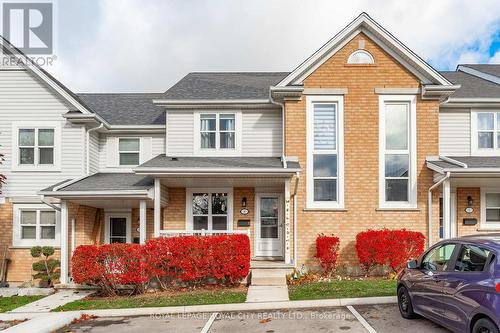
(88, 145)
(282, 105)
(294, 195)
(429, 204)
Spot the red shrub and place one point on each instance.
(195, 259)
(392, 248)
(110, 266)
(327, 251)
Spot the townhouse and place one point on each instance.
(362, 134)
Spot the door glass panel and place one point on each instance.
(118, 230)
(439, 258)
(269, 213)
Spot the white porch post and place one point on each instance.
(142, 221)
(157, 209)
(64, 242)
(446, 209)
(287, 221)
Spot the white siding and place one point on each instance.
(180, 136)
(155, 146)
(454, 132)
(94, 152)
(261, 133)
(23, 98)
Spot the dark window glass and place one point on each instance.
(472, 259)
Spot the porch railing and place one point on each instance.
(203, 232)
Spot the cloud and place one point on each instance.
(134, 45)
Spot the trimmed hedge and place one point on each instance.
(192, 260)
(391, 248)
(327, 252)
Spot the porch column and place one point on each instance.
(446, 209)
(142, 221)
(287, 221)
(64, 242)
(157, 209)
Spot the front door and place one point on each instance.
(118, 229)
(269, 226)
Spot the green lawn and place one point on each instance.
(342, 289)
(10, 303)
(159, 300)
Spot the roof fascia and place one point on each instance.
(363, 23)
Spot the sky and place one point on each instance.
(148, 45)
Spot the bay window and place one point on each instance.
(397, 152)
(210, 210)
(325, 152)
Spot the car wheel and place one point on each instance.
(404, 304)
(484, 325)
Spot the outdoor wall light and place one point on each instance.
(244, 202)
(470, 202)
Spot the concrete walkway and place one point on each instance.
(53, 301)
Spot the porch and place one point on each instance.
(108, 208)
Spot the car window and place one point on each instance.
(438, 259)
(472, 259)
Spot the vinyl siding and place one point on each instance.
(261, 133)
(454, 132)
(94, 152)
(180, 136)
(24, 98)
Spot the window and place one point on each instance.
(36, 146)
(472, 259)
(490, 208)
(438, 259)
(325, 152)
(210, 210)
(35, 225)
(360, 57)
(217, 133)
(397, 152)
(485, 133)
(129, 150)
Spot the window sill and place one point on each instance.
(488, 229)
(397, 209)
(35, 169)
(320, 209)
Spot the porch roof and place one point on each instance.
(163, 164)
(114, 184)
(464, 164)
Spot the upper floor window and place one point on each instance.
(35, 145)
(129, 151)
(35, 225)
(397, 151)
(217, 132)
(485, 133)
(325, 152)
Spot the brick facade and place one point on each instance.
(462, 194)
(361, 147)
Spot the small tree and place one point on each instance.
(46, 269)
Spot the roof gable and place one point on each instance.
(365, 24)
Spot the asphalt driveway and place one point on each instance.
(373, 318)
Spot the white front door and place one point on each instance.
(269, 225)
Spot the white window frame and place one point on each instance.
(475, 150)
(412, 152)
(352, 56)
(339, 151)
(189, 206)
(108, 214)
(17, 241)
(483, 223)
(217, 151)
(119, 151)
(18, 125)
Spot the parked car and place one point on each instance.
(455, 283)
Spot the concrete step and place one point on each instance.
(267, 264)
(267, 294)
(269, 277)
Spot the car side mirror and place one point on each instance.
(412, 264)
